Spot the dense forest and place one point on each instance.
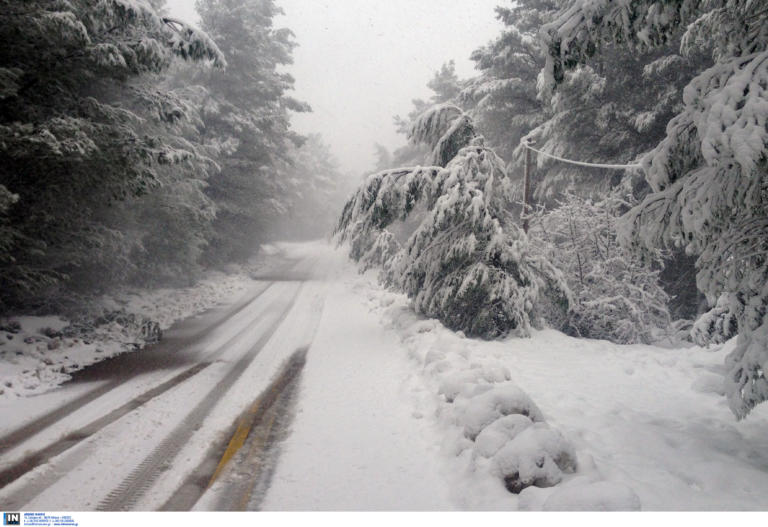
(664, 238)
(140, 150)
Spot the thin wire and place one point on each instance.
(581, 163)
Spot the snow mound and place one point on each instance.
(499, 433)
(538, 456)
(492, 424)
(501, 400)
(598, 496)
(709, 383)
(454, 384)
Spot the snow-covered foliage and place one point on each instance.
(83, 128)
(627, 99)
(716, 326)
(124, 164)
(246, 120)
(503, 98)
(463, 261)
(616, 295)
(625, 103)
(445, 86)
(708, 175)
(446, 129)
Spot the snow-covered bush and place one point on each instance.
(538, 456)
(503, 399)
(466, 262)
(616, 296)
(709, 176)
(716, 326)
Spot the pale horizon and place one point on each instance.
(352, 52)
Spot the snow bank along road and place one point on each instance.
(156, 429)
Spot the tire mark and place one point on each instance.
(36, 459)
(262, 458)
(32, 461)
(264, 438)
(127, 494)
(13, 439)
(247, 428)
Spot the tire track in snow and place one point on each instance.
(254, 427)
(259, 428)
(249, 475)
(18, 436)
(35, 459)
(125, 496)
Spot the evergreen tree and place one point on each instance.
(77, 134)
(611, 111)
(709, 174)
(503, 97)
(445, 86)
(445, 236)
(245, 117)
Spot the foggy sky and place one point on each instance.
(360, 62)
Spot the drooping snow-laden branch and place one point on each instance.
(710, 173)
(463, 260)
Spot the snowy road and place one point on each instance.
(318, 390)
(199, 420)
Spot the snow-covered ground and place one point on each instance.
(395, 412)
(358, 441)
(648, 425)
(39, 353)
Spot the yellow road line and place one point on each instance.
(241, 434)
(257, 445)
(237, 441)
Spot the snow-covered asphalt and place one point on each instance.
(131, 433)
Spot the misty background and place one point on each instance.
(360, 62)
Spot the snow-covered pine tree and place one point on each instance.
(245, 117)
(445, 86)
(616, 295)
(502, 98)
(73, 132)
(627, 99)
(610, 112)
(709, 176)
(169, 228)
(444, 236)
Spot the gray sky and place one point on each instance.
(360, 62)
